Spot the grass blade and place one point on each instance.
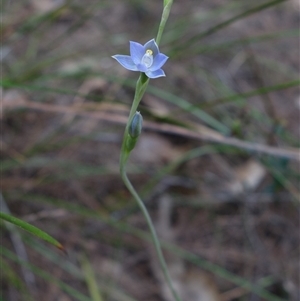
(91, 280)
(221, 25)
(32, 229)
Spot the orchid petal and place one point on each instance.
(142, 67)
(158, 61)
(155, 74)
(153, 46)
(126, 61)
(137, 51)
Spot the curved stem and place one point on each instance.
(153, 232)
(141, 86)
(140, 89)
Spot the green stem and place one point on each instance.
(153, 233)
(141, 87)
(164, 18)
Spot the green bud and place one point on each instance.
(134, 131)
(135, 126)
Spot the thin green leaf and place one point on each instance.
(189, 256)
(221, 25)
(260, 91)
(32, 229)
(74, 293)
(188, 107)
(91, 280)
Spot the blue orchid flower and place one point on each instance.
(145, 59)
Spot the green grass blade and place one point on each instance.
(105, 284)
(11, 276)
(184, 254)
(260, 91)
(255, 39)
(188, 107)
(221, 25)
(91, 280)
(46, 276)
(32, 229)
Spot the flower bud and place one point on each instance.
(135, 126)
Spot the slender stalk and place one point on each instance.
(164, 18)
(152, 231)
(141, 87)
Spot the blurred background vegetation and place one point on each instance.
(217, 164)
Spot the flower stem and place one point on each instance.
(153, 233)
(164, 18)
(141, 87)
